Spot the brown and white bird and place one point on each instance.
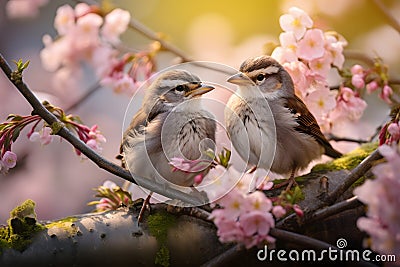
(269, 126)
(171, 123)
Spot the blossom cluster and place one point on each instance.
(41, 132)
(88, 35)
(381, 195)
(243, 213)
(372, 79)
(112, 197)
(9, 132)
(244, 218)
(309, 54)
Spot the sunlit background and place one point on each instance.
(222, 31)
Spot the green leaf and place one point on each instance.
(16, 133)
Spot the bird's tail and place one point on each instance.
(333, 153)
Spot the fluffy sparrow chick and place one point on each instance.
(171, 123)
(268, 124)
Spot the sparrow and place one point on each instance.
(269, 126)
(171, 123)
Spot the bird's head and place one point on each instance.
(176, 86)
(264, 74)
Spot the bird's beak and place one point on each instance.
(199, 90)
(240, 79)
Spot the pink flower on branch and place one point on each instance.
(312, 45)
(296, 21)
(9, 159)
(380, 195)
(116, 22)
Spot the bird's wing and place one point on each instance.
(143, 123)
(308, 124)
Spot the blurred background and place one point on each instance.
(225, 31)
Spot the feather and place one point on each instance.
(307, 124)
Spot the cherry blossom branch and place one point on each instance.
(385, 11)
(58, 127)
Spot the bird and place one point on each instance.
(268, 124)
(171, 123)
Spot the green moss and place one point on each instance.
(66, 224)
(348, 161)
(22, 227)
(158, 225)
(162, 256)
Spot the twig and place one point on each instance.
(332, 137)
(139, 27)
(385, 11)
(52, 120)
(321, 214)
(353, 176)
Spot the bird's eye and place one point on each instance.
(260, 77)
(180, 88)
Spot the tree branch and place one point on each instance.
(104, 164)
(353, 176)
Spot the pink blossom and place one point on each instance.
(65, 19)
(187, 165)
(394, 131)
(234, 204)
(321, 66)
(321, 101)
(24, 8)
(119, 82)
(258, 201)
(104, 204)
(312, 45)
(43, 136)
(299, 212)
(297, 21)
(229, 231)
(95, 139)
(386, 93)
(9, 159)
(348, 106)
(335, 47)
(109, 184)
(287, 51)
(372, 86)
(256, 222)
(198, 178)
(381, 196)
(116, 22)
(357, 69)
(82, 9)
(278, 211)
(358, 81)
